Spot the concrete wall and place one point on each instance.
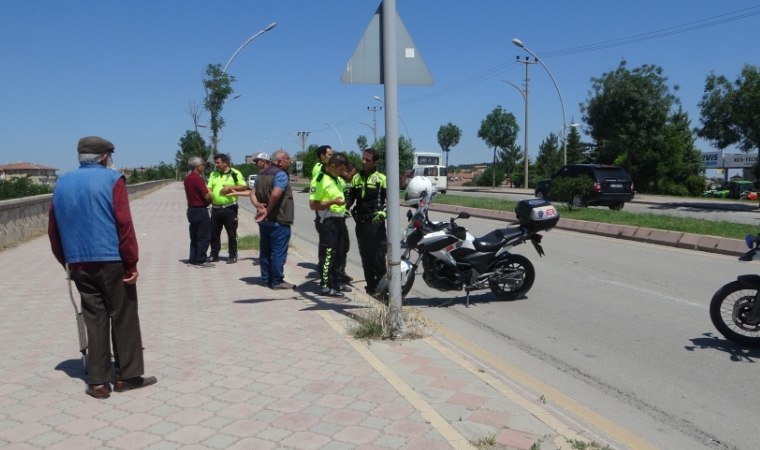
(25, 218)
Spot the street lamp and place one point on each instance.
(341, 139)
(224, 71)
(399, 116)
(519, 43)
(269, 27)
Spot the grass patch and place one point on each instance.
(646, 220)
(248, 242)
(375, 324)
(485, 443)
(576, 444)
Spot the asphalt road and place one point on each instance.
(738, 212)
(622, 327)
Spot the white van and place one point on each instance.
(436, 174)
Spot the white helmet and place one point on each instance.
(418, 188)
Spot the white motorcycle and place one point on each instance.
(453, 260)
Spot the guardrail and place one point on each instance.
(26, 218)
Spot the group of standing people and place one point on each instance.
(92, 236)
(334, 189)
(272, 196)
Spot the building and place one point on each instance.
(38, 173)
(249, 159)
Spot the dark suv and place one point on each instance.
(612, 185)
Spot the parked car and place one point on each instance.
(252, 181)
(612, 185)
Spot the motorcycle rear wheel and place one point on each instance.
(518, 284)
(728, 310)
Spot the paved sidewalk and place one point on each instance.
(242, 366)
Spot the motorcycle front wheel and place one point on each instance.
(729, 311)
(513, 277)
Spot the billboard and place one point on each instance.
(717, 160)
(739, 161)
(712, 160)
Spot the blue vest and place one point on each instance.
(83, 208)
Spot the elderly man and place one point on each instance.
(273, 198)
(92, 236)
(198, 201)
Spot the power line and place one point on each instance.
(510, 65)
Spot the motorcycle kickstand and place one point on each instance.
(467, 305)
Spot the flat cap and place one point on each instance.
(260, 155)
(94, 145)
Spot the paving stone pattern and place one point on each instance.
(239, 365)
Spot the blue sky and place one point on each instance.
(127, 71)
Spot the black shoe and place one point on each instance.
(133, 383)
(232, 260)
(346, 279)
(213, 258)
(206, 265)
(327, 292)
(344, 288)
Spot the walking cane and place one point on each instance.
(80, 322)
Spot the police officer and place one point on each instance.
(346, 178)
(324, 153)
(368, 190)
(224, 207)
(326, 196)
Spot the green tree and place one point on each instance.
(518, 175)
(549, 159)
(309, 159)
(486, 178)
(730, 114)
(218, 86)
(577, 151)
(448, 136)
(18, 187)
(355, 159)
(190, 145)
(361, 141)
(627, 112)
(405, 153)
(508, 158)
(498, 130)
(247, 169)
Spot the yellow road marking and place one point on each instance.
(595, 419)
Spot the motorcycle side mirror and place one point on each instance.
(409, 215)
(463, 215)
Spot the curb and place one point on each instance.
(710, 244)
(711, 206)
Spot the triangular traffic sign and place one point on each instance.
(366, 64)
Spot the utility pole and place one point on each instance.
(303, 135)
(374, 110)
(524, 93)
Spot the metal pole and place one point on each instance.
(390, 80)
(561, 101)
(341, 139)
(269, 27)
(525, 186)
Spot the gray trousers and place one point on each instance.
(109, 307)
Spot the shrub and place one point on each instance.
(21, 187)
(486, 178)
(571, 191)
(696, 185)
